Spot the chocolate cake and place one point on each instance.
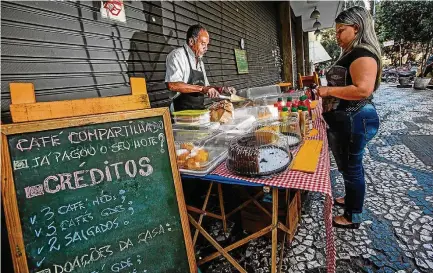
(255, 154)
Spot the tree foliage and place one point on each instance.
(329, 42)
(411, 21)
(406, 22)
(360, 3)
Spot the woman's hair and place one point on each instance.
(365, 38)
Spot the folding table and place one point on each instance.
(319, 181)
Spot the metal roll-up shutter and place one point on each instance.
(68, 51)
(227, 22)
(294, 61)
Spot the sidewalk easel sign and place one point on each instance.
(95, 192)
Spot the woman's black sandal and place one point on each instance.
(348, 226)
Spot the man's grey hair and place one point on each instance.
(193, 32)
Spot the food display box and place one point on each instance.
(200, 152)
(288, 128)
(258, 112)
(191, 117)
(211, 126)
(193, 136)
(240, 122)
(270, 100)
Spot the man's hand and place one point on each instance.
(229, 90)
(323, 91)
(211, 92)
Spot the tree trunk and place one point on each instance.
(400, 57)
(429, 51)
(424, 61)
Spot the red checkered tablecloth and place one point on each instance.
(319, 181)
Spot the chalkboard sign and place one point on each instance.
(95, 194)
(241, 61)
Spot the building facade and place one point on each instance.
(68, 51)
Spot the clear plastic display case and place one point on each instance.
(199, 152)
(288, 129)
(191, 117)
(259, 153)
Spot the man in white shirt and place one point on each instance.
(185, 72)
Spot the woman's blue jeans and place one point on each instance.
(348, 134)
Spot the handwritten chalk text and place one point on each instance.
(85, 178)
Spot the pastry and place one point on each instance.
(221, 111)
(191, 164)
(265, 136)
(290, 126)
(191, 157)
(202, 156)
(247, 155)
(271, 128)
(187, 146)
(264, 113)
(243, 155)
(182, 154)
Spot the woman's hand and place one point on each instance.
(323, 91)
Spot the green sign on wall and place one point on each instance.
(241, 61)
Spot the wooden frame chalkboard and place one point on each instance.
(9, 191)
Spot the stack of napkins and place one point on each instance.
(313, 132)
(307, 158)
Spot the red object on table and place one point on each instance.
(277, 105)
(319, 181)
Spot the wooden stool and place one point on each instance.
(284, 86)
(308, 80)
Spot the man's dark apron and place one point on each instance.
(191, 101)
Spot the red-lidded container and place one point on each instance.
(277, 105)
